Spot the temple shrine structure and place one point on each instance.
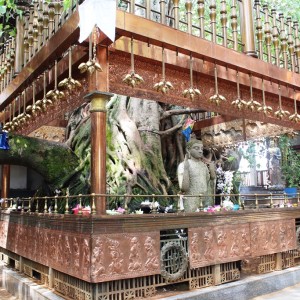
(235, 62)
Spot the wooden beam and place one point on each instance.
(212, 121)
(161, 35)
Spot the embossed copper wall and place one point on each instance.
(98, 249)
(218, 244)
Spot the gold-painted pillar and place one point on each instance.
(247, 27)
(5, 184)
(98, 146)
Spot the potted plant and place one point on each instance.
(290, 166)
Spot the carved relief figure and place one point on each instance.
(245, 245)
(116, 265)
(97, 267)
(67, 252)
(254, 238)
(86, 256)
(221, 242)
(291, 236)
(273, 241)
(195, 176)
(195, 247)
(59, 249)
(283, 236)
(234, 249)
(264, 237)
(134, 256)
(208, 240)
(152, 262)
(76, 254)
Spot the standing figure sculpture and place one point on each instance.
(196, 176)
(275, 164)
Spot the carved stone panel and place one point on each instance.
(272, 237)
(218, 244)
(3, 233)
(119, 256)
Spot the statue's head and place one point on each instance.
(195, 148)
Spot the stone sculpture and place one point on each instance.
(196, 176)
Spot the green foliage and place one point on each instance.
(290, 8)
(290, 162)
(249, 154)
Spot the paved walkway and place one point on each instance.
(289, 293)
(4, 295)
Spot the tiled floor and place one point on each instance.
(289, 293)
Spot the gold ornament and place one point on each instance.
(191, 92)
(264, 108)
(280, 113)
(295, 117)
(163, 86)
(216, 98)
(252, 104)
(238, 103)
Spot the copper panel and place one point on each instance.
(120, 63)
(3, 233)
(218, 244)
(120, 256)
(272, 237)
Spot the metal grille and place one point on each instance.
(72, 287)
(31, 267)
(289, 258)
(201, 277)
(267, 264)
(230, 271)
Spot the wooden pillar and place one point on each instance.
(247, 27)
(98, 146)
(5, 183)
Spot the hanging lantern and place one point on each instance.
(280, 113)
(264, 108)
(252, 105)
(132, 79)
(216, 98)
(191, 92)
(238, 103)
(295, 117)
(91, 65)
(163, 86)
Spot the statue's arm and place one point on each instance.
(183, 176)
(212, 170)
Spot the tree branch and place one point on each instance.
(174, 112)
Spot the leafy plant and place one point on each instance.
(290, 165)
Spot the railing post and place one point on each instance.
(162, 11)
(188, 7)
(247, 27)
(176, 13)
(19, 60)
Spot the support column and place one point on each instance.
(217, 274)
(5, 184)
(98, 146)
(247, 27)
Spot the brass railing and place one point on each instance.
(85, 204)
(275, 39)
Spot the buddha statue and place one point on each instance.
(196, 176)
